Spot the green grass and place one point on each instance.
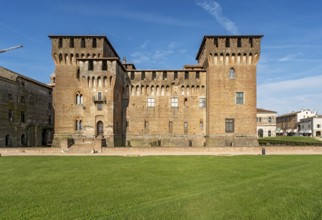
(165, 187)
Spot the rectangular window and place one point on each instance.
(60, 42)
(83, 45)
(99, 96)
(22, 117)
(132, 75)
(99, 106)
(227, 42)
(216, 42)
(94, 44)
(174, 102)
(202, 102)
(22, 99)
(146, 124)
(239, 42)
(104, 65)
(229, 125)
(239, 98)
(170, 127)
(164, 76)
(10, 115)
(185, 127)
(251, 42)
(186, 75)
(90, 65)
(142, 75)
(197, 75)
(71, 42)
(150, 102)
(318, 125)
(154, 75)
(175, 75)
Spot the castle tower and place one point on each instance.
(231, 63)
(88, 91)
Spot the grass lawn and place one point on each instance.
(161, 187)
(294, 138)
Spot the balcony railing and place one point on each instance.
(99, 99)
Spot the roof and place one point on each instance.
(289, 114)
(224, 36)
(22, 76)
(260, 110)
(88, 36)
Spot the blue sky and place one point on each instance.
(166, 34)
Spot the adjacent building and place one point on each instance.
(311, 126)
(288, 124)
(266, 123)
(26, 113)
(100, 99)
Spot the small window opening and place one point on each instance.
(142, 75)
(94, 43)
(227, 42)
(83, 45)
(186, 75)
(104, 65)
(197, 75)
(60, 42)
(175, 75)
(239, 42)
(132, 75)
(154, 75)
(251, 42)
(164, 76)
(90, 65)
(71, 42)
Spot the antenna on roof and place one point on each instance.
(10, 48)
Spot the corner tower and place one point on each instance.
(231, 63)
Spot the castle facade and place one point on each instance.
(100, 99)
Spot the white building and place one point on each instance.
(266, 123)
(311, 126)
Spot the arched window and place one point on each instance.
(79, 99)
(232, 73)
(269, 119)
(78, 125)
(260, 133)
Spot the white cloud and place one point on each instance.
(154, 57)
(289, 57)
(214, 8)
(145, 44)
(291, 95)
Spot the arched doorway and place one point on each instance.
(99, 128)
(8, 141)
(260, 133)
(23, 140)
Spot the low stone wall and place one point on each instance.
(145, 151)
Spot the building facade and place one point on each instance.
(98, 98)
(26, 113)
(266, 123)
(288, 124)
(311, 126)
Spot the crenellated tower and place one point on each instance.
(231, 63)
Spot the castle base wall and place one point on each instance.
(231, 141)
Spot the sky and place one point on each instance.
(166, 34)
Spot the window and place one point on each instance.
(269, 119)
(269, 133)
(22, 117)
(216, 42)
(71, 42)
(185, 127)
(239, 98)
(60, 42)
(201, 124)
(154, 75)
(142, 75)
(227, 42)
(318, 125)
(78, 124)
(174, 102)
(197, 75)
(239, 42)
(22, 99)
(94, 43)
(99, 96)
(8, 140)
(132, 75)
(79, 99)
(104, 65)
(150, 102)
(202, 102)
(146, 124)
(251, 42)
(164, 76)
(170, 127)
(83, 45)
(232, 73)
(23, 140)
(175, 75)
(10, 115)
(229, 125)
(99, 106)
(90, 65)
(186, 75)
